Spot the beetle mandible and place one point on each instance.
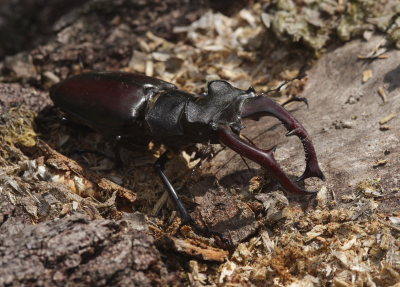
(140, 109)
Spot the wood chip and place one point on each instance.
(340, 283)
(379, 52)
(380, 162)
(322, 197)
(384, 128)
(388, 118)
(389, 225)
(367, 74)
(149, 71)
(62, 163)
(160, 203)
(138, 61)
(194, 248)
(382, 94)
(52, 77)
(373, 57)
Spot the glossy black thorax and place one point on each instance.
(179, 119)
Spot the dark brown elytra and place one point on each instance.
(140, 109)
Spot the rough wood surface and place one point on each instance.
(343, 121)
(75, 251)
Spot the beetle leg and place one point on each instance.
(186, 218)
(262, 106)
(295, 99)
(160, 166)
(265, 158)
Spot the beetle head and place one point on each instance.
(219, 107)
(234, 104)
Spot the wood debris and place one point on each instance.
(379, 52)
(370, 187)
(388, 118)
(367, 74)
(193, 248)
(379, 163)
(382, 94)
(340, 251)
(384, 128)
(80, 180)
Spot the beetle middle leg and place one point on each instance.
(186, 218)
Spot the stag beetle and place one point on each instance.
(140, 109)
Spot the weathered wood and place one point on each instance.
(75, 251)
(344, 122)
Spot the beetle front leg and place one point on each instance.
(186, 218)
(295, 99)
(160, 166)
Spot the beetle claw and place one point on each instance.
(296, 99)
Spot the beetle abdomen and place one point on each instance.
(107, 101)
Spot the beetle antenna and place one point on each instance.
(285, 82)
(248, 139)
(224, 165)
(251, 142)
(245, 162)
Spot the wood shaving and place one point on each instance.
(367, 74)
(388, 118)
(382, 94)
(379, 163)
